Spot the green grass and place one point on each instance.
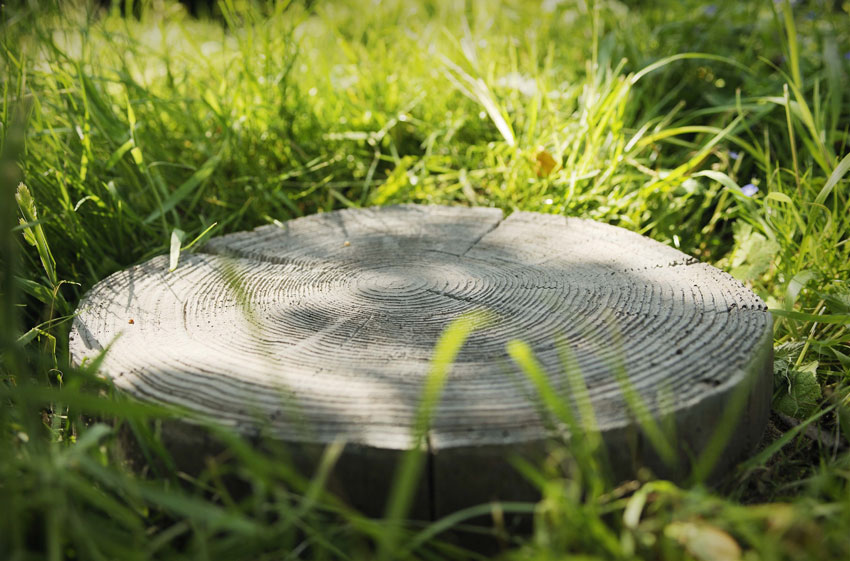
(130, 134)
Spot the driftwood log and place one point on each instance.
(322, 328)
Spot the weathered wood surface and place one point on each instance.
(322, 328)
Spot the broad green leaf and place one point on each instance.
(838, 302)
(799, 392)
(753, 254)
(797, 284)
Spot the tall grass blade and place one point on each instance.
(837, 175)
(408, 472)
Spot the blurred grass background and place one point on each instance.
(720, 128)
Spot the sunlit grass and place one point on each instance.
(141, 135)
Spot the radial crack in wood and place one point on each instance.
(322, 328)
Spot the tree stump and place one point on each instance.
(322, 328)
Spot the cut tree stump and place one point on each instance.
(321, 329)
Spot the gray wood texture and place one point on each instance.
(322, 328)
